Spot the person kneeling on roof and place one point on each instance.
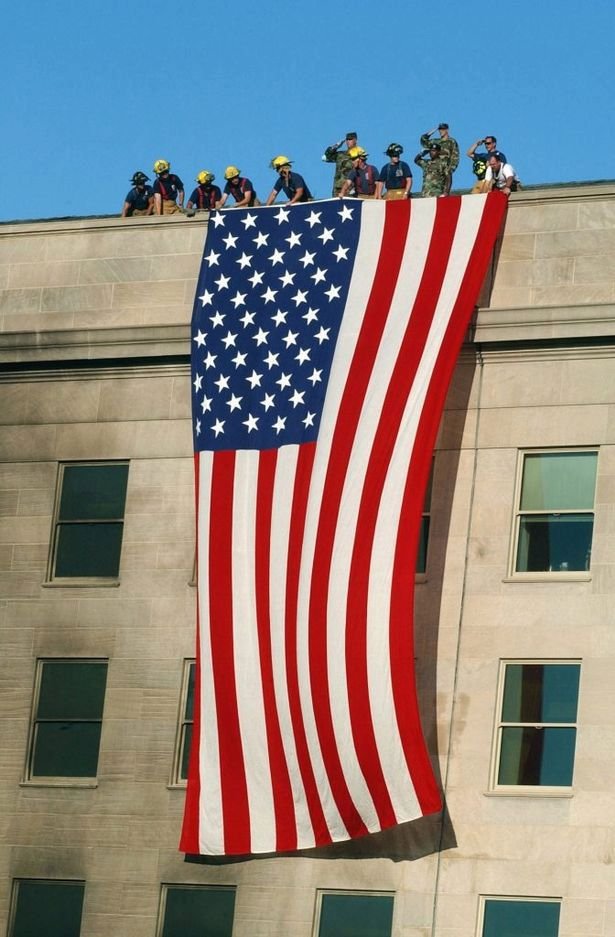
(501, 175)
(292, 183)
(206, 196)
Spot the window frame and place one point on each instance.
(51, 579)
(483, 899)
(14, 898)
(350, 892)
(526, 790)
(182, 723)
(518, 514)
(187, 886)
(43, 780)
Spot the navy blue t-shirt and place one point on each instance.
(169, 187)
(139, 199)
(206, 196)
(290, 184)
(239, 190)
(364, 179)
(394, 175)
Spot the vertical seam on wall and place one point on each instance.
(480, 360)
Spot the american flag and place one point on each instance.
(324, 338)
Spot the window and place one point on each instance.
(536, 734)
(555, 521)
(58, 904)
(196, 911)
(88, 521)
(186, 720)
(421, 559)
(68, 708)
(519, 917)
(353, 914)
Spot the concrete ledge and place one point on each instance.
(526, 324)
(95, 344)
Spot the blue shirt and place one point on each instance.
(290, 184)
(364, 179)
(238, 191)
(139, 199)
(394, 175)
(169, 187)
(206, 196)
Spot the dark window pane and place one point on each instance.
(66, 749)
(558, 481)
(537, 756)
(88, 549)
(421, 560)
(185, 752)
(93, 492)
(48, 909)
(521, 918)
(356, 916)
(541, 693)
(189, 713)
(72, 690)
(199, 912)
(554, 543)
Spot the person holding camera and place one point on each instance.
(500, 175)
(480, 160)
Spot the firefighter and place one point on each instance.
(239, 187)
(292, 183)
(206, 196)
(168, 189)
(140, 199)
(363, 176)
(396, 176)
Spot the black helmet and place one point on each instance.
(394, 149)
(139, 177)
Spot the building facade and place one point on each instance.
(514, 611)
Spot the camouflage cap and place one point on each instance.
(434, 146)
(442, 126)
(351, 135)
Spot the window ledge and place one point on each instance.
(80, 583)
(561, 793)
(420, 578)
(177, 786)
(87, 783)
(549, 577)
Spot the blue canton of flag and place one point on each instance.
(271, 293)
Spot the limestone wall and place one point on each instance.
(93, 349)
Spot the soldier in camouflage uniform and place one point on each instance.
(343, 163)
(449, 149)
(436, 174)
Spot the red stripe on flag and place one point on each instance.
(400, 384)
(235, 807)
(285, 820)
(303, 474)
(402, 644)
(387, 271)
(189, 841)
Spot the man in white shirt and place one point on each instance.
(500, 175)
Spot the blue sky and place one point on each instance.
(94, 91)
